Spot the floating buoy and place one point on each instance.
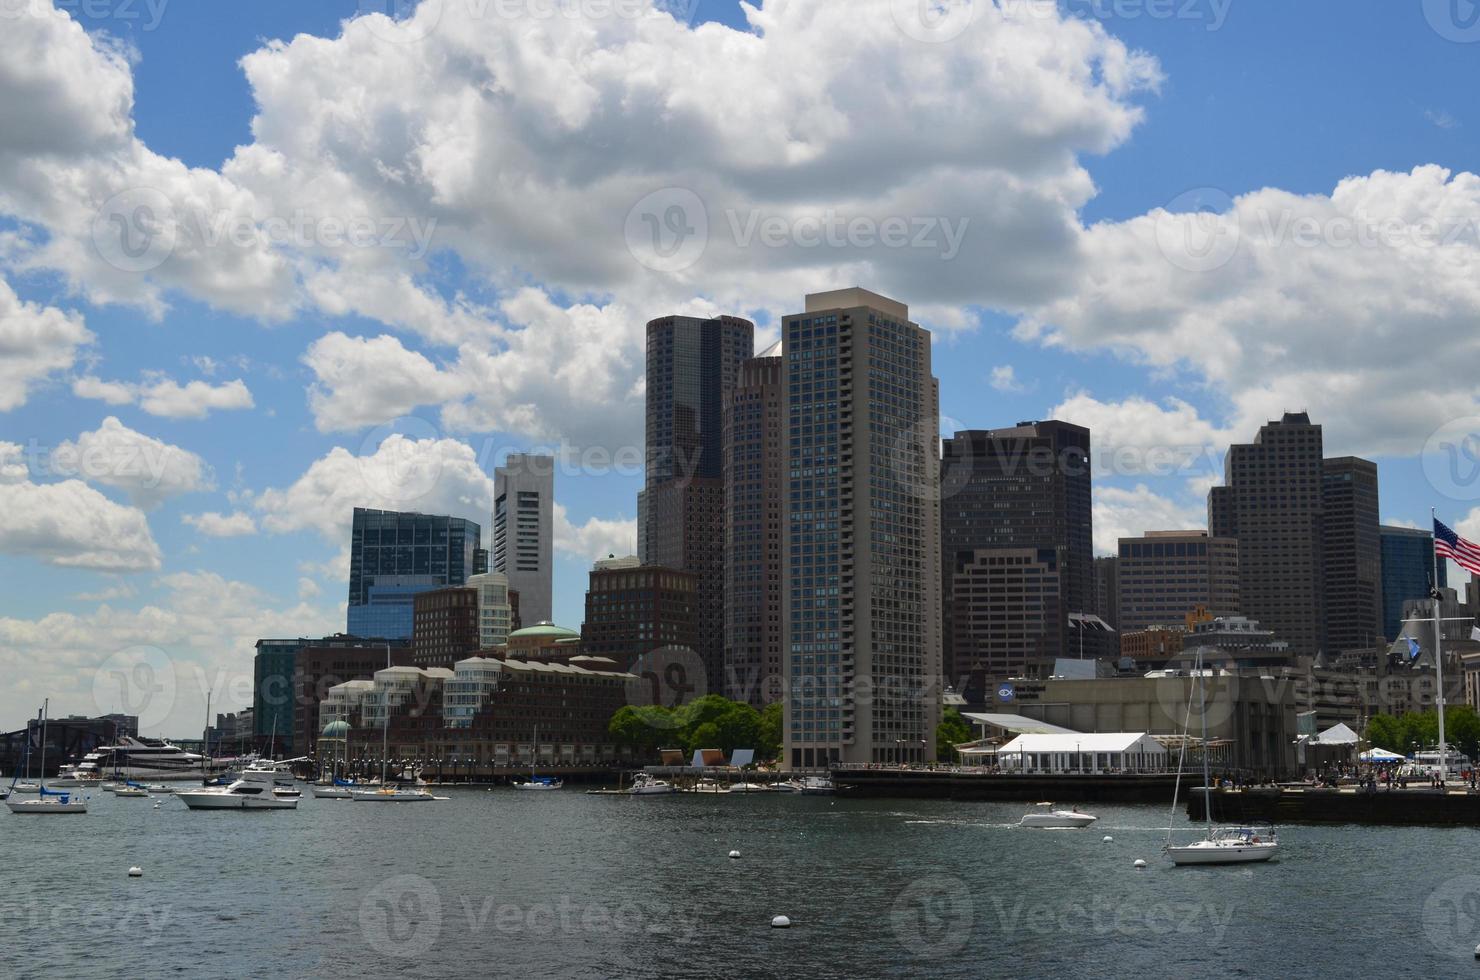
(734, 854)
(1107, 839)
(1139, 863)
(780, 922)
(136, 872)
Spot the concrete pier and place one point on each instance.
(1453, 807)
(967, 784)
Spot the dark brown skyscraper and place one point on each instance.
(1164, 575)
(1353, 554)
(1016, 549)
(634, 609)
(692, 365)
(755, 512)
(1271, 502)
(445, 627)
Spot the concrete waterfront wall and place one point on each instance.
(945, 784)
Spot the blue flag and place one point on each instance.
(1413, 649)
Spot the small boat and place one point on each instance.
(745, 787)
(540, 782)
(1050, 819)
(818, 786)
(338, 789)
(391, 794)
(48, 800)
(709, 786)
(159, 788)
(130, 789)
(243, 794)
(645, 784)
(1228, 845)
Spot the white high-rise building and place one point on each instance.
(861, 640)
(523, 531)
(495, 615)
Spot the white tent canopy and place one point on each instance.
(1083, 752)
(1336, 735)
(1380, 755)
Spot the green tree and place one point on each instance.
(951, 731)
(770, 737)
(705, 736)
(1385, 732)
(1419, 728)
(643, 729)
(1462, 729)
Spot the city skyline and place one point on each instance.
(193, 473)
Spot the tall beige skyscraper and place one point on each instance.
(524, 531)
(861, 634)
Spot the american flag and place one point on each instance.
(1447, 544)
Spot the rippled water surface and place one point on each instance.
(563, 884)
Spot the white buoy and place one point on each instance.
(1107, 839)
(1139, 863)
(780, 922)
(734, 854)
(136, 872)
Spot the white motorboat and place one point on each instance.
(709, 786)
(789, 786)
(287, 792)
(1240, 845)
(647, 785)
(818, 786)
(744, 787)
(1228, 845)
(539, 782)
(243, 794)
(1050, 819)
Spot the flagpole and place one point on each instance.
(1439, 651)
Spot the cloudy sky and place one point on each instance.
(261, 263)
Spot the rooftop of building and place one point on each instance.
(853, 297)
(545, 629)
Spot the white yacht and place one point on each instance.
(391, 794)
(818, 786)
(645, 784)
(746, 787)
(1050, 819)
(243, 794)
(130, 789)
(146, 758)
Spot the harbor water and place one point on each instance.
(561, 884)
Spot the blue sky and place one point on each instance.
(1257, 103)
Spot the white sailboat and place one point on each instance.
(386, 793)
(50, 801)
(538, 782)
(1222, 845)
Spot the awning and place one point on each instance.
(1016, 724)
(1336, 735)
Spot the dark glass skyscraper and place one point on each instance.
(692, 365)
(1271, 502)
(1407, 566)
(1017, 555)
(1352, 554)
(428, 550)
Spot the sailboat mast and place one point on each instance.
(45, 704)
(205, 739)
(1439, 656)
(1202, 698)
(385, 718)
